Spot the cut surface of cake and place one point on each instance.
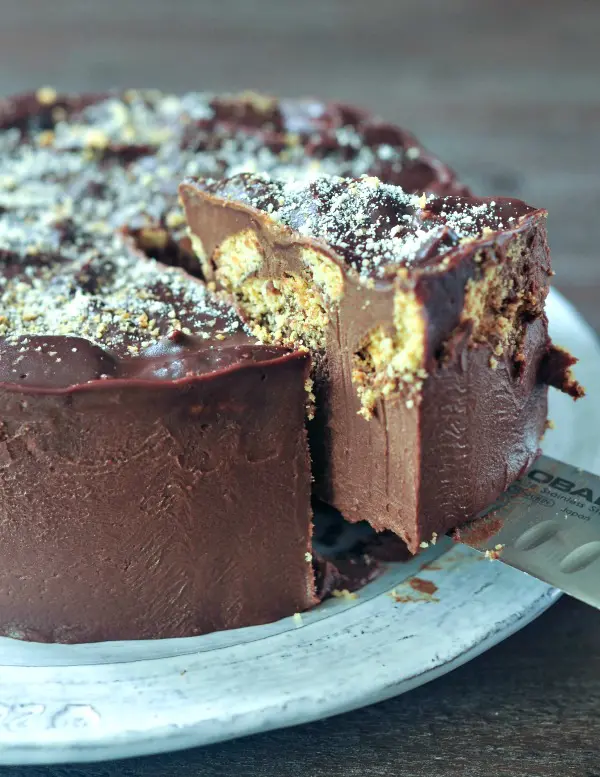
(425, 318)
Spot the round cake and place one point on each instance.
(155, 476)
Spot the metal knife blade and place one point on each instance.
(546, 524)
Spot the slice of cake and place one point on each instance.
(154, 470)
(425, 318)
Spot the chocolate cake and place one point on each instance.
(154, 473)
(425, 318)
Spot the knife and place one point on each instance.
(546, 524)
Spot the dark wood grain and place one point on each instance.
(508, 91)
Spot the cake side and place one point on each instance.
(132, 510)
(396, 296)
(480, 428)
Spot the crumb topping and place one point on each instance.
(77, 184)
(124, 304)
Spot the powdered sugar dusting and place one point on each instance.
(122, 303)
(75, 182)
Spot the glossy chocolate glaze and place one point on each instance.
(417, 466)
(50, 364)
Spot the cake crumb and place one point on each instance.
(46, 138)
(297, 619)
(96, 139)
(308, 387)
(46, 95)
(344, 594)
(308, 557)
(494, 554)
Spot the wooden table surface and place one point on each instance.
(508, 91)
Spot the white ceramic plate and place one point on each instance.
(110, 700)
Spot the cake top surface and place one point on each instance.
(376, 227)
(124, 303)
(65, 323)
(120, 159)
(82, 177)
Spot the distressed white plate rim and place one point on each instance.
(92, 702)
